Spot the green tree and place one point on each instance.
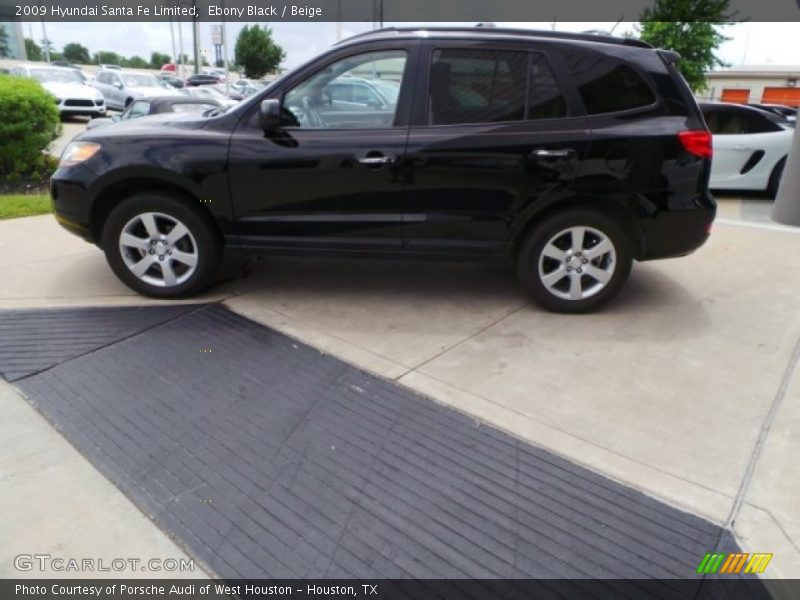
(692, 29)
(158, 60)
(33, 50)
(257, 52)
(29, 125)
(137, 62)
(104, 57)
(5, 51)
(76, 53)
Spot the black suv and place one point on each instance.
(569, 154)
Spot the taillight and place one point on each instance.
(697, 142)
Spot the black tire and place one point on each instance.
(201, 242)
(775, 178)
(614, 264)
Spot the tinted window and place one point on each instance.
(606, 85)
(477, 86)
(546, 100)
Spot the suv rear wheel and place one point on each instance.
(160, 247)
(574, 261)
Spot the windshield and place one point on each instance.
(56, 76)
(140, 80)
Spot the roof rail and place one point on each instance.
(491, 31)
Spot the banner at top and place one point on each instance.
(382, 11)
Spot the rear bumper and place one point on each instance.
(677, 232)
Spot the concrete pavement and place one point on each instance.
(55, 503)
(686, 387)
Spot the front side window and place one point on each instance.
(328, 100)
(606, 85)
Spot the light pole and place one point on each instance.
(172, 35)
(45, 43)
(787, 203)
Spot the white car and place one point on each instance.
(120, 88)
(750, 147)
(73, 95)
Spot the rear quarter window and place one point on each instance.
(607, 85)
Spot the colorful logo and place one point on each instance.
(734, 562)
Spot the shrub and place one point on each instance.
(30, 122)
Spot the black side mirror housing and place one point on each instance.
(270, 115)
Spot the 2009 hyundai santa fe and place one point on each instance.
(569, 154)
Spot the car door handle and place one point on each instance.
(553, 153)
(377, 161)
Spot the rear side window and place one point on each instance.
(477, 86)
(607, 86)
(492, 86)
(546, 100)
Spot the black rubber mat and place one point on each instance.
(266, 459)
(35, 340)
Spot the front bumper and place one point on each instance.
(82, 106)
(72, 203)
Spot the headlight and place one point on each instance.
(77, 152)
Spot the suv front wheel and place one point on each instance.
(160, 247)
(574, 261)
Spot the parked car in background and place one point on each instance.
(353, 92)
(170, 67)
(169, 79)
(246, 87)
(113, 67)
(790, 112)
(73, 96)
(210, 92)
(203, 79)
(158, 105)
(120, 88)
(750, 146)
(569, 154)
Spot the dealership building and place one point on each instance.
(767, 84)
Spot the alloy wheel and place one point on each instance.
(158, 249)
(577, 263)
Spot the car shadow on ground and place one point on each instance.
(650, 293)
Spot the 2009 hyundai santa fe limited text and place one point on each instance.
(570, 154)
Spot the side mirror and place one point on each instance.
(118, 85)
(270, 115)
